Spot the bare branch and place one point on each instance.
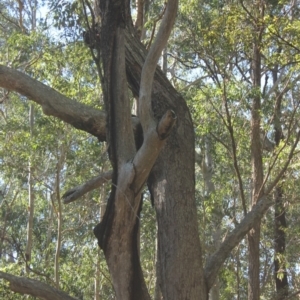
(234, 150)
(285, 166)
(151, 63)
(34, 288)
(216, 260)
(78, 191)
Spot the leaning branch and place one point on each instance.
(217, 259)
(34, 288)
(78, 191)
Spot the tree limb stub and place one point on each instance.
(76, 192)
(166, 124)
(148, 153)
(34, 288)
(144, 156)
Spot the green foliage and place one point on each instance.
(210, 55)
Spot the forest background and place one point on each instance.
(235, 64)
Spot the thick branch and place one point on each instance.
(79, 115)
(78, 191)
(53, 103)
(217, 259)
(34, 288)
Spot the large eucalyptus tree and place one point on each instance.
(156, 147)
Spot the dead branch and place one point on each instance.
(78, 191)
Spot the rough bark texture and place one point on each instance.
(179, 246)
(175, 191)
(117, 233)
(172, 185)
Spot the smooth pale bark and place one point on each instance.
(147, 76)
(30, 197)
(180, 161)
(34, 288)
(209, 189)
(172, 185)
(217, 259)
(53, 103)
(59, 167)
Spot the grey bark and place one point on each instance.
(34, 288)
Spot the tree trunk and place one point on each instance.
(280, 271)
(30, 197)
(59, 167)
(280, 225)
(117, 232)
(179, 250)
(256, 162)
(49, 229)
(254, 264)
(209, 189)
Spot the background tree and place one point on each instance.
(211, 61)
